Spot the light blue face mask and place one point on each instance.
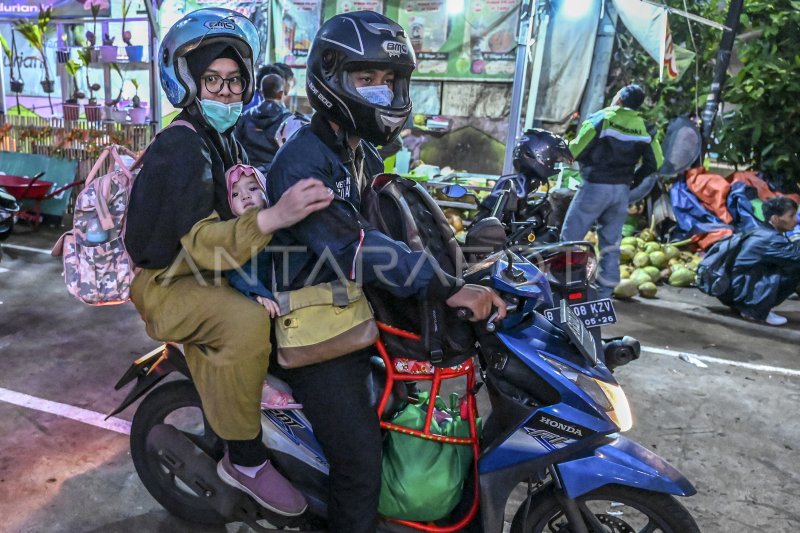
(221, 116)
(377, 94)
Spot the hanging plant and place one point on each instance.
(35, 32)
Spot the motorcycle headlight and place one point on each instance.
(611, 398)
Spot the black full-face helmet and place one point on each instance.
(537, 153)
(359, 41)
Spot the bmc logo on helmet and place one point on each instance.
(394, 48)
(221, 24)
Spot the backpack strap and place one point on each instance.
(184, 123)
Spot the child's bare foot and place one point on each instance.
(272, 398)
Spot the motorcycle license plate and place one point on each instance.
(594, 314)
(577, 332)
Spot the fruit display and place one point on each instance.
(645, 262)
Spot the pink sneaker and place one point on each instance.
(269, 488)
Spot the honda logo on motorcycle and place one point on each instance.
(560, 427)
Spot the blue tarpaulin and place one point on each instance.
(690, 214)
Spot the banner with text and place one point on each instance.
(477, 43)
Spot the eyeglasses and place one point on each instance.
(214, 84)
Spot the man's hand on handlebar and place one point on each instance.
(479, 300)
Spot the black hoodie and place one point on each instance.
(256, 132)
(181, 182)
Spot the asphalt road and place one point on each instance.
(732, 430)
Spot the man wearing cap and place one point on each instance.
(609, 146)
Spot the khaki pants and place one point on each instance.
(225, 334)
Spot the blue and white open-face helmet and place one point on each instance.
(195, 30)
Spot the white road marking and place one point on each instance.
(26, 249)
(710, 359)
(123, 426)
(67, 411)
(2, 270)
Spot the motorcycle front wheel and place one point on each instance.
(178, 404)
(609, 509)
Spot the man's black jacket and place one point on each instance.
(337, 241)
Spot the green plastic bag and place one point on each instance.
(422, 480)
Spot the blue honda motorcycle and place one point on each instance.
(554, 429)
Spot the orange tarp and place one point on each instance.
(712, 191)
(751, 178)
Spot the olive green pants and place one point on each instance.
(225, 334)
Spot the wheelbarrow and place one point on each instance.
(34, 189)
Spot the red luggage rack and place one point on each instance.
(23, 188)
(436, 376)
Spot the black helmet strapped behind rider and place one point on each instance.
(537, 153)
(359, 41)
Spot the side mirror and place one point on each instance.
(454, 191)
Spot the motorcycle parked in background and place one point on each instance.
(568, 267)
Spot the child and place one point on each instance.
(247, 190)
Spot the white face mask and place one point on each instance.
(377, 94)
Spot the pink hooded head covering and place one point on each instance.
(237, 172)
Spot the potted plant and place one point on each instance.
(95, 6)
(71, 107)
(138, 113)
(62, 52)
(113, 111)
(91, 41)
(93, 111)
(134, 51)
(35, 32)
(16, 85)
(108, 52)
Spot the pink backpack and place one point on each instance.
(97, 268)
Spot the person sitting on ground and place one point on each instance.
(181, 233)
(257, 127)
(767, 270)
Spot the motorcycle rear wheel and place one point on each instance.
(617, 508)
(176, 403)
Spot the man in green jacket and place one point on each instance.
(610, 145)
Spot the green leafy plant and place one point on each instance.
(95, 6)
(116, 100)
(126, 35)
(85, 55)
(669, 99)
(136, 101)
(6, 49)
(35, 32)
(761, 128)
(73, 67)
